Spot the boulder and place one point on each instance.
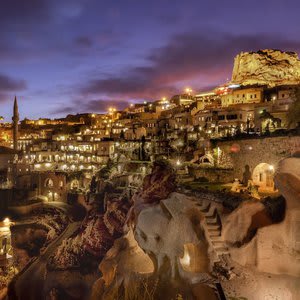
(241, 225)
(171, 234)
(275, 248)
(287, 180)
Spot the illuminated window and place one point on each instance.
(49, 183)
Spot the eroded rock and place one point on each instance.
(241, 225)
(266, 67)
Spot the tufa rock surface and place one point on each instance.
(266, 67)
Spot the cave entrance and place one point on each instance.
(195, 258)
(263, 177)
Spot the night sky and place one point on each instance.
(69, 56)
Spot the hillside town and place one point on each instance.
(55, 157)
(196, 194)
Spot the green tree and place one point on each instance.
(294, 110)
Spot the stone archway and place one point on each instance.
(206, 159)
(263, 177)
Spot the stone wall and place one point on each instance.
(212, 174)
(252, 152)
(25, 209)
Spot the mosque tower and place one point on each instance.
(15, 119)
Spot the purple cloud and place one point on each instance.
(186, 57)
(84, 41)
(9, 84)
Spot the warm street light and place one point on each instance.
(188, 90)
(6, 221)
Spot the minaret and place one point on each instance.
(15, 119)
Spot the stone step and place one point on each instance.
(205, 208)
(221, 249)
(212, 213)
(225, 253)
(211, 217)
(217, 238)
(218, 243)
(212, 227)
(214, 234)
(212, 222)
(216, 260)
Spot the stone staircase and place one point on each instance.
(213, 229)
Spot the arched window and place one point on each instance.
(49, 183)
(74, 184)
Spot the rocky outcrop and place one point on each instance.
(287, 179)
(124, 264)
(94, 238)
(164, 256)
(242, 224)
(156, 186)
(165, 253)
(167, 231)
(266, 67)
(265, 234)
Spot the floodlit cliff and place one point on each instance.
(266, 67)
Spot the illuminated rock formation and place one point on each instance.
(165, 252)
(287, 180)
(156, 186)
(272, 247)
(165, 231)
(266, 67)
(164, 256)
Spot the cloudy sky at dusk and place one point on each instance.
(72, 56)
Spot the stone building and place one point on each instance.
(242, 96)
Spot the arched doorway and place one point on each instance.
(53, 196)
(263, 177)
